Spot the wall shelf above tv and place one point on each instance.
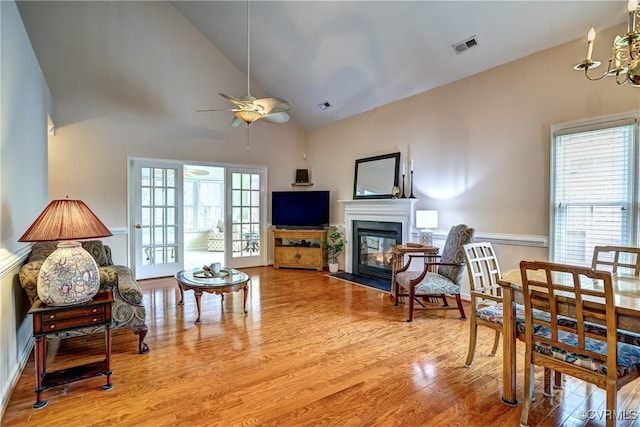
(301, 184)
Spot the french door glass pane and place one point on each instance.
(245, 214)
(158, 219)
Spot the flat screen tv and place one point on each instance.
(300, 209)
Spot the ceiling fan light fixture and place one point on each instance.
(248, 116)
(248, 109)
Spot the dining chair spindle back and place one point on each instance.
(612, 258)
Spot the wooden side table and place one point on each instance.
(48, 319)
(398, 253)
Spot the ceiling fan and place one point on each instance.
(248, 109)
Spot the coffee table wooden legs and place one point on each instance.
(199, 291)
(198, 295)
(245, 292)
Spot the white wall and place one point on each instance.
(23, 185)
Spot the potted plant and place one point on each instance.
(335, 246)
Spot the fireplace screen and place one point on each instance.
(375, 251)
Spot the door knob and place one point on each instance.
(137, 226)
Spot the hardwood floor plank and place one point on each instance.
(312, 351)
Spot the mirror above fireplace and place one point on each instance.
(376, 176)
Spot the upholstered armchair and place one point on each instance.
(437, 279)
(128, 310)
(215, 240)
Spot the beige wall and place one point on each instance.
(23, 184)
(480, 145)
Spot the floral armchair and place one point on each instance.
(128, 310)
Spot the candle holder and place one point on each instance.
(411, 196)
(403, 196)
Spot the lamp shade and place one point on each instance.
(426, 219)
(70, 274)
(65, 220)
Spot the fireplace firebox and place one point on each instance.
(373, 241)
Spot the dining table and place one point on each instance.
(627, 305)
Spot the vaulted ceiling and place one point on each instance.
(358, 55)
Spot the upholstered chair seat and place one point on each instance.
(432, 283)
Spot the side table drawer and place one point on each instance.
(76, 322)
(73, 312)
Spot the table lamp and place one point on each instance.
(425, 221)
(70, 274)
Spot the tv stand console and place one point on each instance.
(299, 248)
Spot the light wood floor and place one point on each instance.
(313, 350)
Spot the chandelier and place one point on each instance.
(624, 63)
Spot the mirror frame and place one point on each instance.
(396, 170)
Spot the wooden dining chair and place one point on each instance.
(611, 258)
(586, 295)
(486, 301)
(445, 280)
(486, 294)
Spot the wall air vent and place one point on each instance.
(465, 45)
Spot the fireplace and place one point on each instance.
(399, 211)
(373, 241)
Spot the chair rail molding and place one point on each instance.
(10, 261)
(502, 239)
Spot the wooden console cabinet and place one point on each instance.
(299, 248)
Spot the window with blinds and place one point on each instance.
(593, 189)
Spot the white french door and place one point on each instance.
(245, 210)
(157, 218)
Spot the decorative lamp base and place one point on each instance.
(68, 276)
(426, 238)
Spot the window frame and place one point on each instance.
(633, 183)
(196, 206)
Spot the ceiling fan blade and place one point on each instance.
(238, 102)
(273, 104)
(277, 117)
(236, 122)
(222, 109)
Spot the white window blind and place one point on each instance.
(593, 190)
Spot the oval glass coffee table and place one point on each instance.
(198, 280)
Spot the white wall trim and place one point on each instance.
(10, 261)
(119, 231)
(14, 375)
(503, 239)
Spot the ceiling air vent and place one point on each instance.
(465, 45)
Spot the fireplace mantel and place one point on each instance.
(388, 210)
